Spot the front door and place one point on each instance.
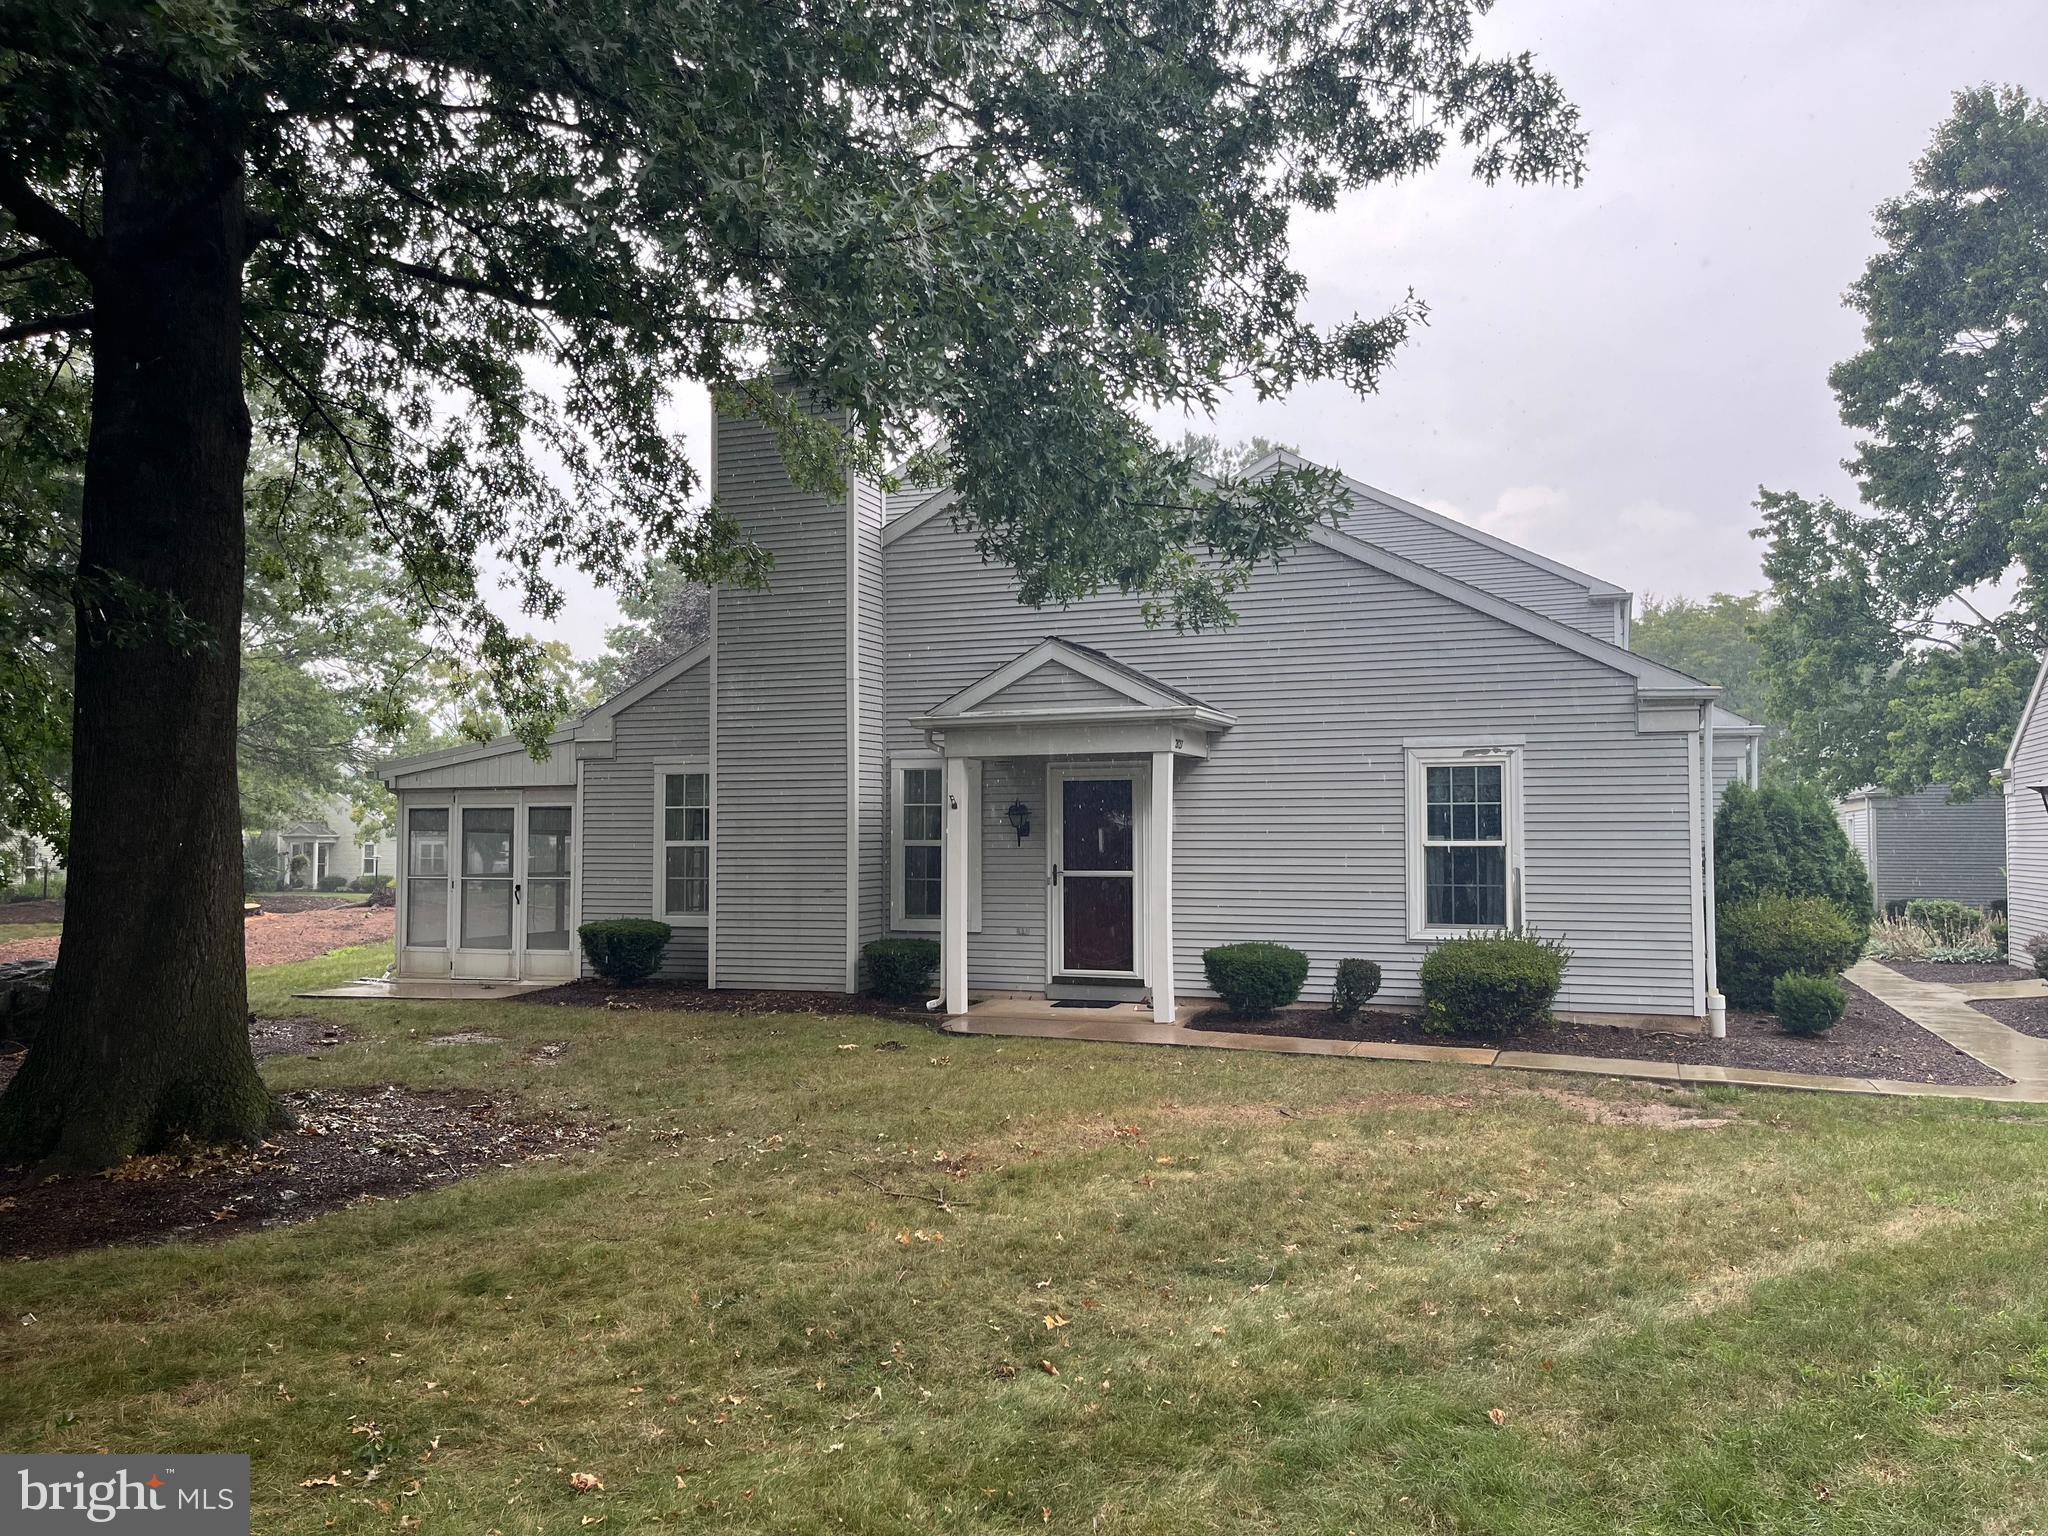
(1095, 878)
(486, 938)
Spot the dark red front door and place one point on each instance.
(1098, 885)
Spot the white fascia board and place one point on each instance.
(2027, 714)
(1058, 652)
(498, 746)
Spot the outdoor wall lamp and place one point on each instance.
(2042, 791)
(1019, 815)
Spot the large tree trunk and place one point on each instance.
(146, 1038)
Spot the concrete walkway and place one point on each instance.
(1944, 1009)
(1977, 1035)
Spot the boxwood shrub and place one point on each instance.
(1775, 935)
(1808, 1005)
(900, 969)
(1490, 983)
(2037, 951)
(1255, 978)
(624, 949)
(1948, 923)
(1358, 982)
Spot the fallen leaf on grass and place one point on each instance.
(1054, 1320)
(331, 1480)
(1498, 1415)
(586, 1482)
(1049, 1368)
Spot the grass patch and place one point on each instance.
(12, 932)
(812, 1283)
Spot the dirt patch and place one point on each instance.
(271, 938)
(2028, 1015)
(1871, 1041)
(548, 1052)
(303, 901)
(350, 1145)
(677, 997)
(295, 1036)
(465, 1037)
(1957, 975)
(1658, 1114)
(47, 910)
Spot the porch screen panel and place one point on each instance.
(426, 878)
(547, 876)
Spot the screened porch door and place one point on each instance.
(1095, 877)
(513, 890)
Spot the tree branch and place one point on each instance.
(50, 325)
(43, 219)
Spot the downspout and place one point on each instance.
(1717, 1005)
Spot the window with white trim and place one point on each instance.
(686, 844)
(1464, 816)
(369, 858)
(917, 862)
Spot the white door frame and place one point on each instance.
(544, 964)
(483, 964)
(1056, 776)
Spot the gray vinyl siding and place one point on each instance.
(1294, 828)
(872, 629)
(1451, 553)
(1053, 686)
(1731, 762)
(1930, 848)
(621, 826)
(2026, 838)
(510, 768)
(781, 886)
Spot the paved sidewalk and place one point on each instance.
(1975, 1034)
(1944, 1010)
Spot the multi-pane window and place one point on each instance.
(1465, 845)
(686, 843)
(924, 826)
(369, 858)
(426, 883)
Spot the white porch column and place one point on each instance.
(1159, 888)
(954, 902)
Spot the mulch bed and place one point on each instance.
(350, 1145)
(2028, 1015)
(294, 1037)
(271, 938)
(1957, 975)
(679, 997)
(303, 901)
(45, 910)
(1871, 1041)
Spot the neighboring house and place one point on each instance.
(1924, 845)
(327, 842)
(2026, 826)
(1414, 730)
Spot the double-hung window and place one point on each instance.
(369, 858)
(684, 884)
(1464, 820)
(917, 865)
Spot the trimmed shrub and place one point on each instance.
(2037, 951)
(334, 882)
(626, 950)
(1784, 839)
(1777, 935)
(1946, 922)
(1358, 982)
(1808, 1005)
(1491, 983)
(1255, 978)
(900, 969)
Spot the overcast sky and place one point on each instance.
(1610, 371)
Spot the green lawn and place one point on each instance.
(1285, 1295)
(10, 932)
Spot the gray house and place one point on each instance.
(1925, 845)
(1415, 730)
(327, 842)
(2026, 825)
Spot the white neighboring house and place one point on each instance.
(1415, 730)
(2025, 780)
(1926, 846)
(327, 842)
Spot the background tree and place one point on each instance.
(666, 614)
(1714, 641)
(464, 248)
(1905, 631)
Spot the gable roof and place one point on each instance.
(1594, 585)
(2026, 716)
(1729, 723)
(594, 724)
(1132, 692)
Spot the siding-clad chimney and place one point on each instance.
(799, 862)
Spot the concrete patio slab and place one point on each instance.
(430, 991)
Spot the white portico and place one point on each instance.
(1110, 740)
